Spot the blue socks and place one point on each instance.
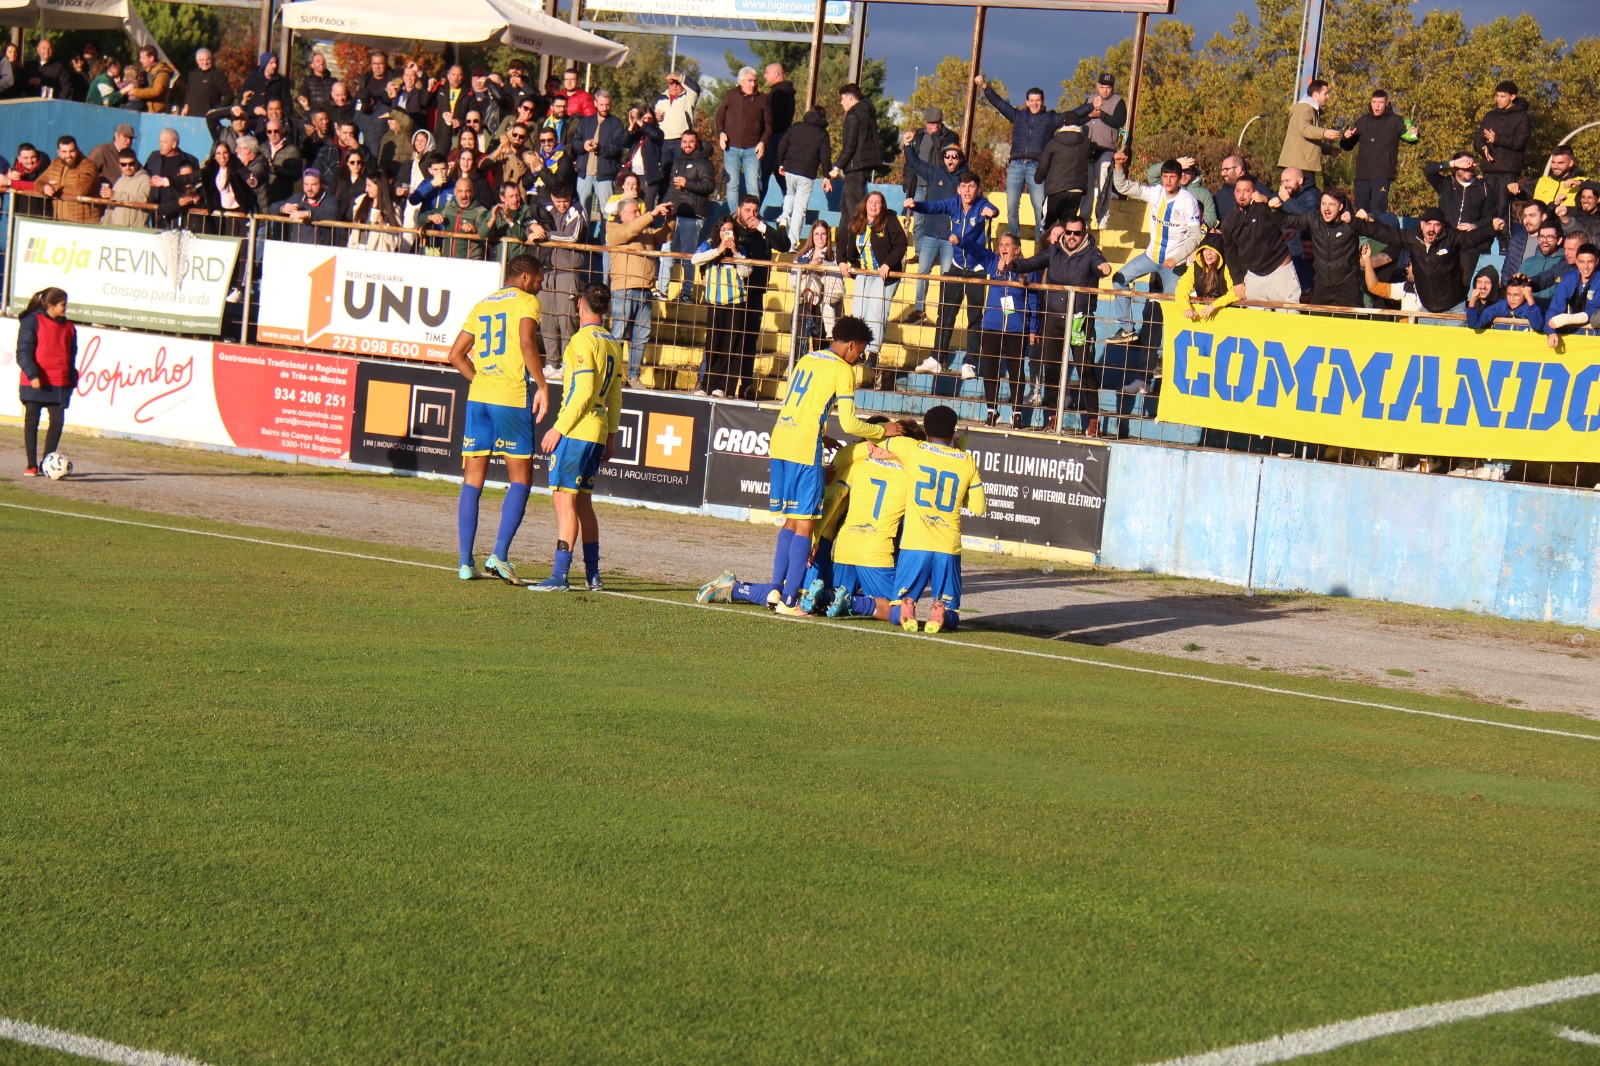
(799, 557)
(745, 592)
(591, 558)
(562, 565)
(894, 614)
(780, 558)
(467, 521)
(511, 512)
(863, 606)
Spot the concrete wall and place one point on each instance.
(1516, 551)
(40, 122)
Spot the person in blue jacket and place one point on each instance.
(1577, 297)
(1010, 325)
(1517, 302)
(969, 215)
(1032, 126)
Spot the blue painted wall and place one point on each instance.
(40, 122)
(1516, 551)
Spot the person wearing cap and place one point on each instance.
(927, 144)
(105, 156)
(313, 203)
(676, 105)
(1307, 140)
(1032, 126)
(132, 187)
(1500, 142)
(1103, 115)
(205, 88)
(932, 245)
(1436, 251)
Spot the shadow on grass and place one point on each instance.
(1118, 621)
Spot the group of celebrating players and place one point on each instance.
(864, 535)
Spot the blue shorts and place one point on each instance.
(875, 581)
(796, 490)
(493, 428)
(937, 571)
(574, 465)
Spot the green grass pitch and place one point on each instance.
(265, 805)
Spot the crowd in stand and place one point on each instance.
(454, 164)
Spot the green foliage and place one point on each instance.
(946, 89)
(181, 29)
(1438, 71)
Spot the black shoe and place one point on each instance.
(913, 317)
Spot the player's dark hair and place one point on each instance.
(940, 422)
(519, 265)
(851, 329)
(596, 296)
(913, 429)
(877, 420)
(967, 177)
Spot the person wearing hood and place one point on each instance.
(1435, 250)
(1063, 170)
(689, 191)
(932, 240)
(1501, 141)
(395, 152)
(265, 83)
(805, 152)
(1071, 259)
(1205, 282)
(1483, 290)
(1517, 302)
(1308, 139)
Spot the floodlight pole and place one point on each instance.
(544, 60)
(858, 35)
(967, 120)
(814, 74)
(1137, 74)
(264, 37)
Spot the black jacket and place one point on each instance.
(1511, 129)
(1252, 242)
(1061, 267)
(1336, 251)
(858, 145)
(1436, 267)
(760, 245)
(646, 140)
(941, 140)
(1064, 166)
(780, 99)
(609, 134)
(206, 90)
(699, 182)
(238, 182)
(1379, 139)
(888, 244)
(1460, 203)
(807, 151)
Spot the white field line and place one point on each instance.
(884, 631)
(1578, 1036)
(1327, 1037)
(85, 1047)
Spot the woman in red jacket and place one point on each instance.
(47, 354)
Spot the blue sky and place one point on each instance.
(1025, 47)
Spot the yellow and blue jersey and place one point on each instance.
(940, 481)
(500, 376)
(592, 378)
(819, 383)
(877, 505)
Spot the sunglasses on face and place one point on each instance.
(1074, 232)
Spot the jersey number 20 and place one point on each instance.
(943, 484)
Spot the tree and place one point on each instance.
(181, 29)
(946, 89)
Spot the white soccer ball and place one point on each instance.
(56, 466)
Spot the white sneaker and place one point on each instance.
(1036, 397)
(719, 393)
(929, 365)
(552, 373)
(699, 392)
(967, 373)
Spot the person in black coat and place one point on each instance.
(1072, 258)
(1063, 170)
(265, 83)
(205, 88)
(1501, 140)
(780, 101)
(1436, 252)
(805, 153)
(225, 183)
(1336, 250)
(1462, 197)
(1376, 137)
(859, 152)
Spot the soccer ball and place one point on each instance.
(56, 466)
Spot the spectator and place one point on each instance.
(628, 187)
(633, 274)
(1462, 197)
(453, 101)
(1307, 139)
(599, 138)
(1549, 261)
(76, 84)
(413, 98)
(1175, 230)
(158, 80)
(341, 110)
(1072, 258)
(1336, 249)
(105, 89)
(1435, 252)
(559, 122)
(284, 164)
(760, 242)
(780, 102)
(1063, 173)
(1376, 138)
(486, 99)
(375, 207)
(1233, 168)
(45, 75)
(433, 191)
(70, 176)
(859, 156)
(1032, 126)
(561, 224)
(258, 175)
(106, 156)
(1253, 249)
(819, 292)
(1190, 179)
(579, 103)
(1517, 303)
(465, 218)
(466, 166)
(552, 165)
(1302, 197)
(373, 96)
(313, 203)
(180, 196)
(1103, 115)
(316, 86)
(132, 187)
(1560, 187)
(676, 104)
(511, 217)
(9, 71)
(206, 88)
(1521, 243)
(225, 183)
(969, 221)
(805, 153)
(1501, 139)
(641, 153)
(521, 115)
(874, 247)
(744, 128)
(1577, 297)
(518, 90)
(228, 124)
(1483, 290)
(26, 170)
(412, 174)
(265, 83)
(349, 142)
(1585, 218)
(1010, 323)
(394, 148)
(933, 230)
(927, 144)
(689, 190)
(727, 271)
(1205, 281)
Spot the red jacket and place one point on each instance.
(580, 104)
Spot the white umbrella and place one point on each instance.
(65, 14)
(392, 23)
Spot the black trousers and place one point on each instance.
(1056, 351)
(855, 190)
(953, 292)
(30, 429)
(1060, 206)
(731, 347)
(1372, 196)
(1000, 357)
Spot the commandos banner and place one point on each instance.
(1385, 386)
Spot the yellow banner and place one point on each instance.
(1384, 386)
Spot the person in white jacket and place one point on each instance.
(1175, 232)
